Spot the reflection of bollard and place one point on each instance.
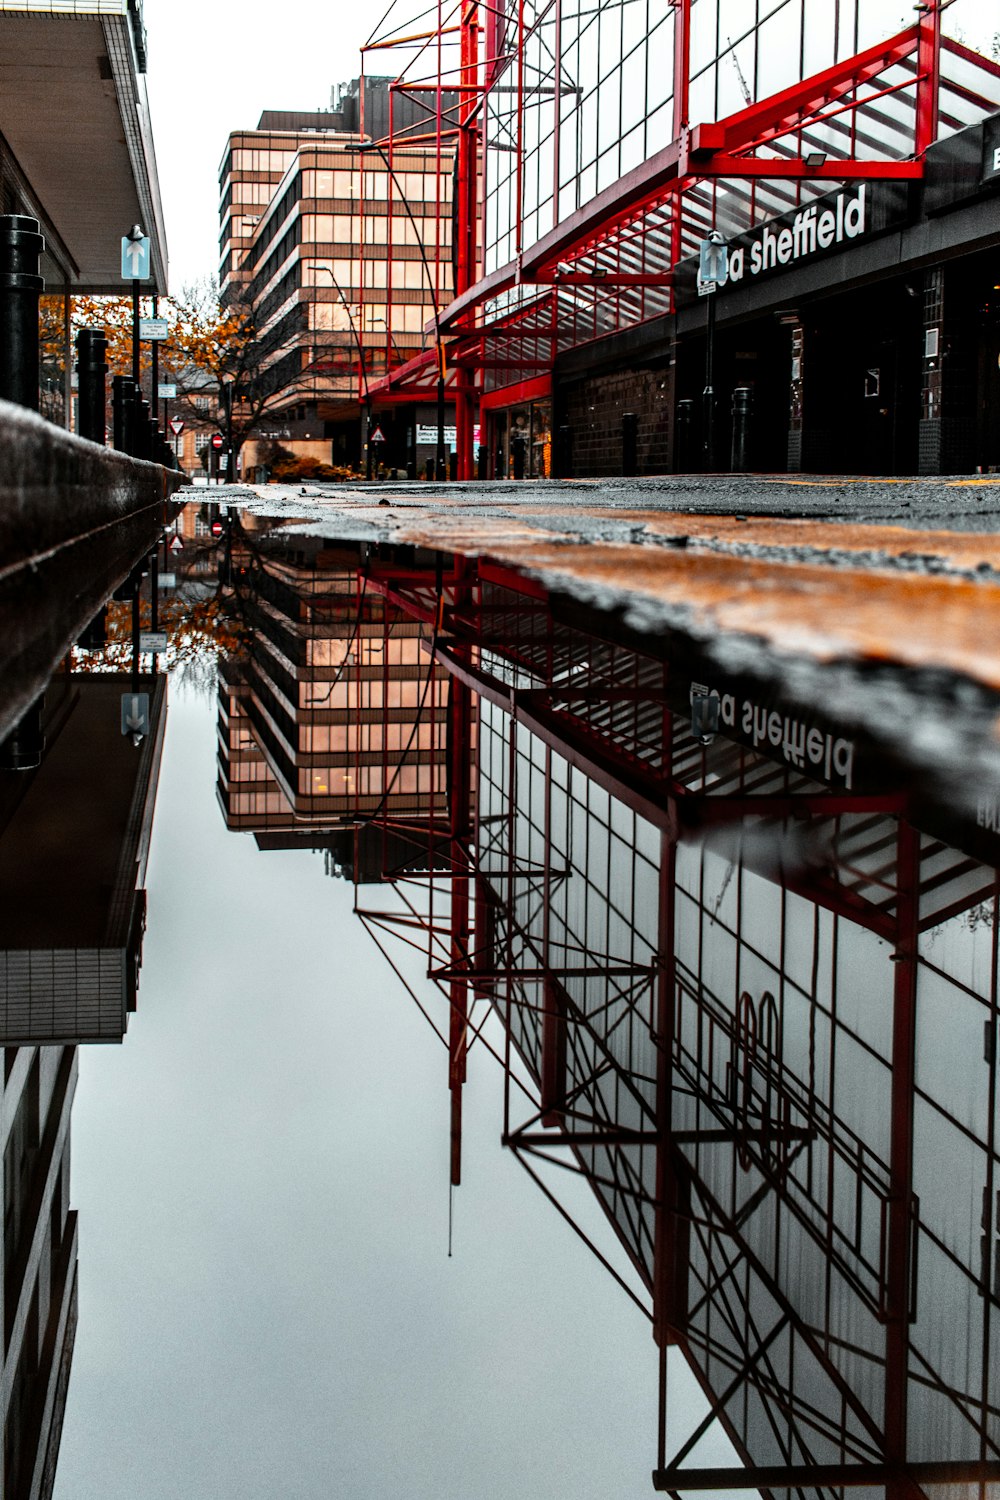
(564, 452)
(91, 368)
(123, 412)
(20, 288)
(630, 443)
(684, 437)
(22, 749)
(741, 428)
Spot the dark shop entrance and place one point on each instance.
(751, 357)
(860, 381)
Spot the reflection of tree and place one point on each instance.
(199, 627)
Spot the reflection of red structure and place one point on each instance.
(745, 996)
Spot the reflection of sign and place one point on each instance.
(872, 381)
(167, 580)
(152, 328)
(152, 640)
(135, 713)
(377, 435)
(167, 391)
(176, 545)
(176, 426)
(135, 258)
(430, 435)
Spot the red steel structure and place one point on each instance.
(740, 981)
(612, 142)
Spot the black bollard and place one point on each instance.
(741, 428)
(684, 437)
(20, 288)
(564, 452)
(630, 443)
(123, 412)
(91, 369)
(481, 461)
(154, 440)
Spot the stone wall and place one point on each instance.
(593, 408)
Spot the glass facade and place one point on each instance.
(583, 96)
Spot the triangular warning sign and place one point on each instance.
(176, 426)
(176, 545)
(377, 435)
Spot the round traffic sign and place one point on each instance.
(217, 440)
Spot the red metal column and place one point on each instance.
(898, 1291)
(928, 73)
(682, 91)
(460, 796)
(465, 223)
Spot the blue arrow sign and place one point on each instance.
(135, 258)
(713, 260)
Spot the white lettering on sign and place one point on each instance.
(809, 749)
(996, 160)
(813, 228)
(988, 814)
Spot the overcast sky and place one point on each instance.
(267, 1308)
(212, 69)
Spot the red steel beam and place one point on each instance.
(826, 1476)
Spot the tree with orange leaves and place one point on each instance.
(226, 372)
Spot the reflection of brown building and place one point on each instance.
(336, 718)
(73, 848)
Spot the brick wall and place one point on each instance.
(593, 410)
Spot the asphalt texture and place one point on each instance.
(878, 598)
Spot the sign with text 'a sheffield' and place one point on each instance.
(817, 229)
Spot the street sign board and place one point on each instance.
(167, 580)
(152, 640)
(167, 391)
(713, 263)
(429, 434)
(135, 713)
(377, 435)
(176, 426)
(217, 440)
(152, 328)
(135, 258)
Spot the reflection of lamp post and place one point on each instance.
(314, 266)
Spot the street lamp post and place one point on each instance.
(318, 266)
(713, 272)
